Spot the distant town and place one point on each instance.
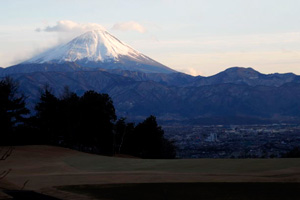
(234, 141)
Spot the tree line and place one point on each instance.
(86, 123)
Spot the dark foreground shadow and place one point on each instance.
(28, 195)
(184, 191)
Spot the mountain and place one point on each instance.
(137, 95)
(247, 76)
(234, 75)
(95, 49)
(140, 86)
(171, 79)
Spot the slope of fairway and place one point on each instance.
(183, 191)
(47, 166)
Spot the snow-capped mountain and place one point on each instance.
(98, 48)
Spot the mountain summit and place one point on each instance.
(98, 48)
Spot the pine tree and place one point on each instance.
(48, 116)
(149, 142)
(12, 108)
(97, 115)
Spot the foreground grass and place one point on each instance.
(49, 166)
(182, 191)
(98, 163)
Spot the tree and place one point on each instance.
(149, 136)
(123, 136)
(70, 116)
(87, 123)
(12, 108)
(147, 141)
(48, 116)
(97, 115)
(293, 153)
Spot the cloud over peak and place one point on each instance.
(129, 26)
(65, 26)
(70, 26)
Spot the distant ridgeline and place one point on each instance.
(230, 97)
(87, 123)
(140, 86)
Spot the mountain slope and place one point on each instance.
(246, 76)
(137, 99)
(99, 49)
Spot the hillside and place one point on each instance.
(137, 95)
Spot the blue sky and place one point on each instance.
(197, 37)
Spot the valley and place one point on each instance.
(234, 141)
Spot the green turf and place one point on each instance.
(112, 164)
(186, 191)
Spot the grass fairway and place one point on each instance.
(43, 168)
(183, 191)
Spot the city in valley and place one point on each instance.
(234, 141)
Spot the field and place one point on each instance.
(180, 191)
(44, 168)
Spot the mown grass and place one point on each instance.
(113, 164)
(186, 191)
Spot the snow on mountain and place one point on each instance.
(99, 47)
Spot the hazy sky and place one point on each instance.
(193, 36)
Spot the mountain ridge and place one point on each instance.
(138, 96)
(99, 49)
(230, 75)
(140, 86)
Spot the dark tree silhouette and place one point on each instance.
(294, 153)
(12, 109)
(97, 115)
(87, 123)
(147, 141)
(48, 116)
(70, 115)
(123, 134)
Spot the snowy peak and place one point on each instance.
(97, 45)
(98, 48)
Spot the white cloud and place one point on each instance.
(192, 71)
(65, 30)
(70, 26)
(129, 26)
